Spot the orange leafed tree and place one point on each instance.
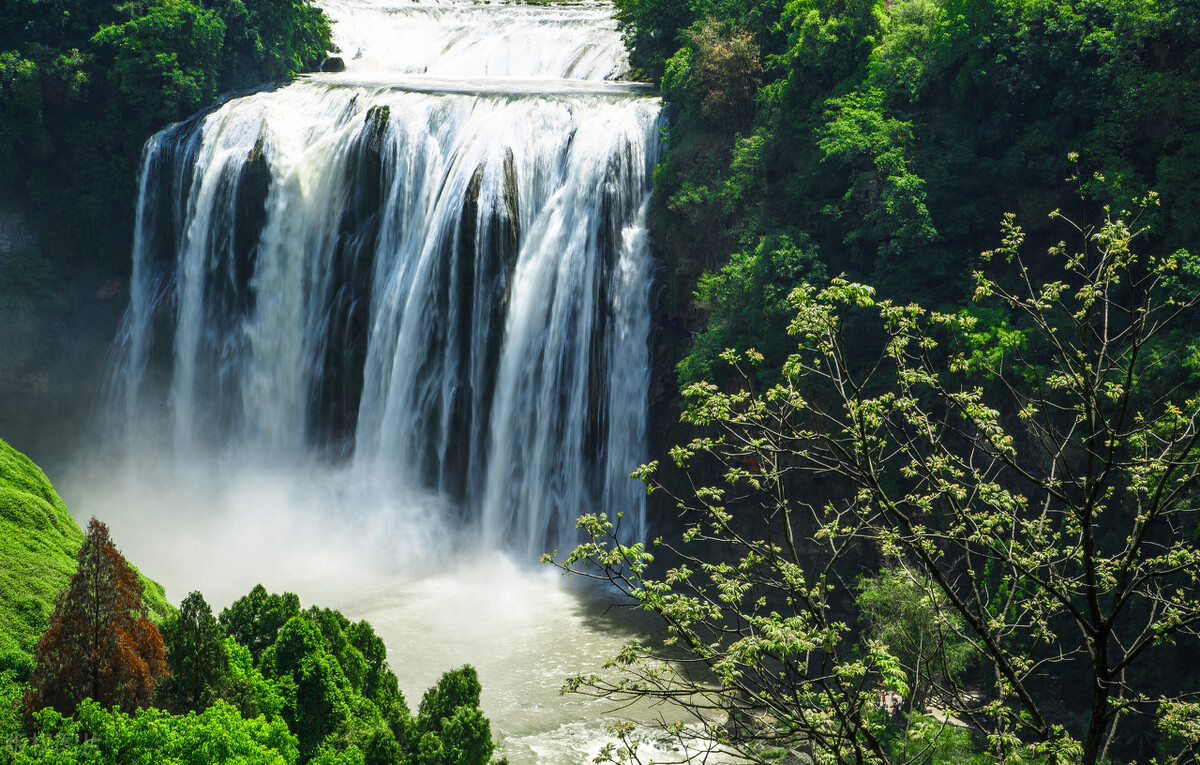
(100, 643)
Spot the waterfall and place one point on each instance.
(431, 267)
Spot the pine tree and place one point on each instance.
(100, 643)
(196, 655)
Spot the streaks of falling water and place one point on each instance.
(433, 265)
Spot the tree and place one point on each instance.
(196, 657)
(464, 738)
(316, 694)
(1043, 491)
(454, 689)
(921, 630)
(165, 61)
(379, 683)
(255, 619)
(100, 644)
(451, 728)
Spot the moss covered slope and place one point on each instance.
(38, 544)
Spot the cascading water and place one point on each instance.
(432, 266)
(388, 337)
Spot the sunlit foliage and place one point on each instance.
(1032, 511)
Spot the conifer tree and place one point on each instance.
(196, 655)
(100, 644)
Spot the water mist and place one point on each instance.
(388, 337)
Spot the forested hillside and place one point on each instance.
(82, 86)
(885, 140)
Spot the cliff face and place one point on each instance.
(14, 235)
(23, 378)
(55, 325)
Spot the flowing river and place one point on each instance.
(388, 337)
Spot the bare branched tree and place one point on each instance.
(1035, 479)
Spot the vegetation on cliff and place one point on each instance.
(83, 84)
(885, 139)
(1001, 527)
(988, 505)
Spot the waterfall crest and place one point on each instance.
(432, 267)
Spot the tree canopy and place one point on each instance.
(887, 137)
(1035, 496)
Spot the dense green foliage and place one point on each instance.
(255, 619)
(329, 680)
(83, 84)
(319, 690)
(325, 677)
(923, 634)
(889, 137)
(450, 729)
(97, 736)
(1005, 526)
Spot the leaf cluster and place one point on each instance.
(1040, 523)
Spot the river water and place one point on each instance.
(523, 627)
(388, 337)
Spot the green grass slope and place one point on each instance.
(38, 544)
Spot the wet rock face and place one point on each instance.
(14, 235)
(334, 64)
(250, 186)
(336, 393)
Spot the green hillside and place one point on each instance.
(38, 544)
